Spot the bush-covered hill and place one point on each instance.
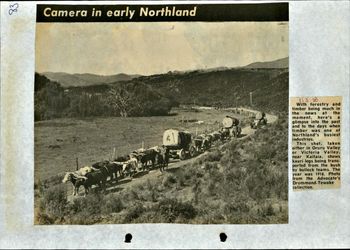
(125, 99)
(50, 100)
(225, 88)
(156, 94)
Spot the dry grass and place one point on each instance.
(58, 142)
(246, 182)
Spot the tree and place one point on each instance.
(121, 100)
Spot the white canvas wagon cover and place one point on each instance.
(229, 121)
(172, 137)
(259, 115)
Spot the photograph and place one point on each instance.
(161, 122)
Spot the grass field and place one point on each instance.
(240, 181)
(59, 142)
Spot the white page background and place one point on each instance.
(319, 55)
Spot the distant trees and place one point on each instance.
(125, 99)
(225, 88)
(138, 99)
(157, 94)
(85, 104)
(49, 100)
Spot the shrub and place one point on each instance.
(266, 151)
(82, 218)
(213, 156)
(211, 188)
(169, 180)
(189, 172)
(268, 210)
(171, 209)
(54, 201)
(181, 176)
(148, 193)
(149, 216)
(210, 165)
(112, 204)
(90, 205)
(43, 219)
(134, 212)
(236, 207)
(211, 184)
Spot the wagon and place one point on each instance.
(179, 144)
(202, 142)
(231, 126)
(259, 120)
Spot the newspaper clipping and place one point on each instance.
(174, 124)
(171, 123)
(316, 142)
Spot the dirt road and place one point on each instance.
(142, 177)
(247, 131)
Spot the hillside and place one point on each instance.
(125, 99)
(221, 87)
(81, 80)
(277, 64)
(225, 88)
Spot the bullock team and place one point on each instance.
(143, 159)
(98, 173)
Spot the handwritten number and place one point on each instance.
(13, 8)
(308, 99)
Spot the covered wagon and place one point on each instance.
(179, 143)
(231, 126)
(259, 120)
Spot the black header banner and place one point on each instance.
(264, 12)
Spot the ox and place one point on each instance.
(93, 177)
(122, 158)
(84, 170)
(206, 143)
(96, 178)
(130, 167)
(225, 134)
(112, 167)
(215, 136)
(76, 180)
(146, 156)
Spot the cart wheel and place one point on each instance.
(193, 151)
(182, 154)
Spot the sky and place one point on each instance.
(151, 48)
